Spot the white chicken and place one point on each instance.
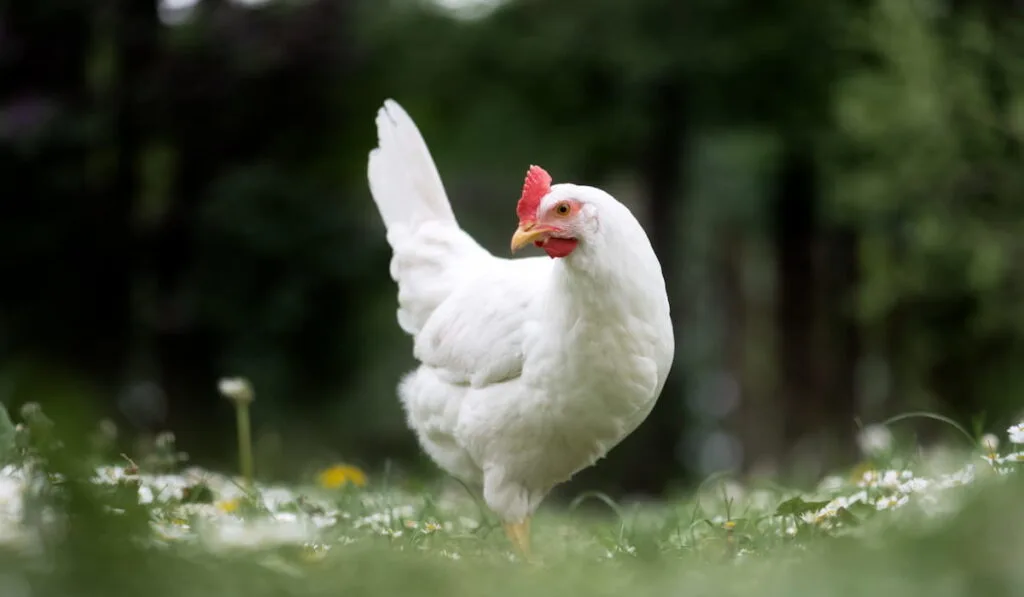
(530, 369)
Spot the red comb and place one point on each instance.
(538, 184)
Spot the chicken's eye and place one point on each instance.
(562, 209)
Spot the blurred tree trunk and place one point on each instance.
(796, 229)
(795, 226)
(196, 86)
(819, 344)
(737, 337)
(135, 42)
(136, 33)
(842, 348)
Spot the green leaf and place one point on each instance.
(7, 435)
(847, 518)
(797, 506)
(862, 510)
(200, 493)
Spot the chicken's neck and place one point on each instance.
(616, 273)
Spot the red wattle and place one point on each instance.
(558, 247)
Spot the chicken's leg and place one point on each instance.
(519, 534)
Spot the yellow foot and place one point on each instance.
(519, 534)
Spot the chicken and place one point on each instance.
(530, 369)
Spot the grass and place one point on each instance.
(902, 525)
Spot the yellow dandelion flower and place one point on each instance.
(228, 506)
(340, 474)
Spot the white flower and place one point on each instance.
(831, 509)
(383, 520)
(874, 440)
(275, 497)
(891, 502)
(1011, 457)
(324, 520)
(847, 501)
(868, 479)
(1016, 433)
(12, 532)
(286, 517)
(163, 488)
(11, 489)
(202, 511)
(233, 533)
(891, 479)
(960, 477)
(990, 443)
(914, 485)
(111, 475)
(430, 527)
(236, 388)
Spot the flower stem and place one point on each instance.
(244, 441)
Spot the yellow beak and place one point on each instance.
(528, 232)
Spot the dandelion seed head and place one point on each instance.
(875, 440)
(236, 389)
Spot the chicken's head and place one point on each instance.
(554, 221)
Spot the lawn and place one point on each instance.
(935, 523)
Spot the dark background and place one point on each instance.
(835, 190)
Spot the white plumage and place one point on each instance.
(530, 369)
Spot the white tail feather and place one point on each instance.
(403, 179)
(431, 254)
